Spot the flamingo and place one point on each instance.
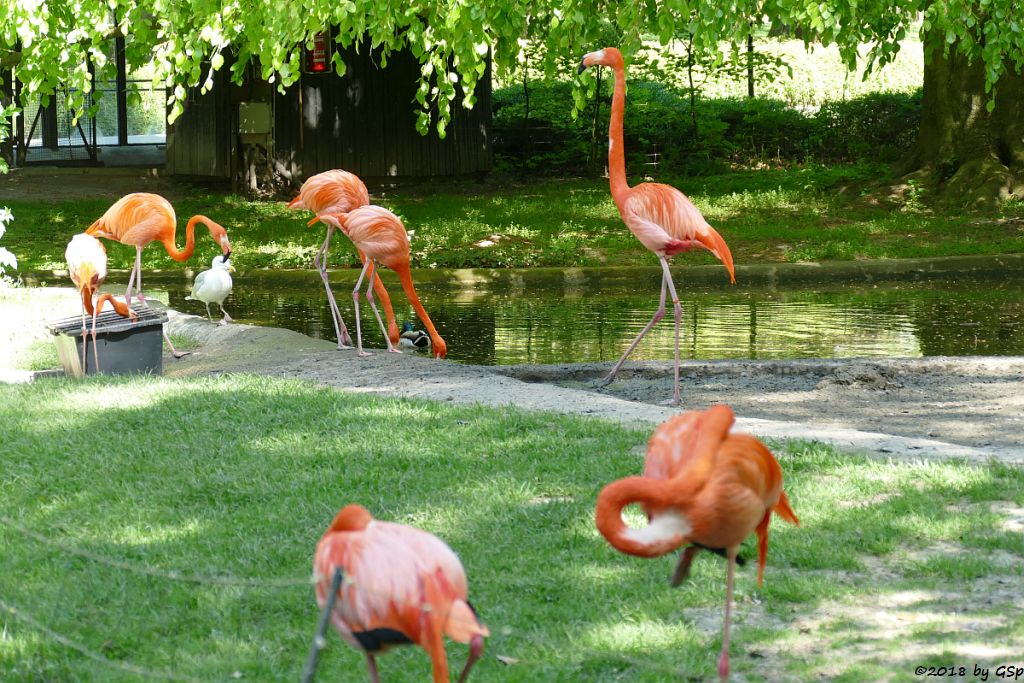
(401, 586)
(380, 235)
(339, 191)
(660, 216)
(140, 218)
(213, 286)
(87, 266)
(701, 488)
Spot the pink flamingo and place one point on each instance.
(339, 191)
(702, 488)
(140, 218)
(87, 266)
(380, 235)
(662, 218)
(400, 586)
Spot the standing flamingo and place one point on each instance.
(339, 191)
(702, 488)
(140, 218)
(87, 266)
(662, 218)
(401, 586)
(380, 235)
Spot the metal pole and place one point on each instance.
(319, 641)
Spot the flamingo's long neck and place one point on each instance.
(669, 527)
(402, 270)
(616, 147)
(190, 240)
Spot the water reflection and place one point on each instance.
(568, 316)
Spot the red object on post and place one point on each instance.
(318, 59)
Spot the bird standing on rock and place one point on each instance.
(213, 286)
(701, 488)
(140, 218)
(400, 585)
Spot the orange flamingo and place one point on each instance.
(140, 218)
(702, 488)
(87, 266)
(380, 235)
(401, 586)
(660, 216)
(339, 191)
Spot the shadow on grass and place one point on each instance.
(240, 475)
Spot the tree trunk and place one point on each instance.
(965, 154)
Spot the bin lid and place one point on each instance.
(109, 321)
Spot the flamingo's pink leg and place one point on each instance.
(678, 310)
(355, 298)
(320, 261)
(723, 659)
(376, 313)
(658, 315)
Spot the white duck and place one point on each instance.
(214, 285)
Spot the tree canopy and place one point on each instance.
(52, 42)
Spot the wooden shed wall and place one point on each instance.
(200, 141)
(365, 122)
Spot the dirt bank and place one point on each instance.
(902, 408)
(907, 408)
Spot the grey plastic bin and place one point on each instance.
(124, 346)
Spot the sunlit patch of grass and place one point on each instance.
(792, 214)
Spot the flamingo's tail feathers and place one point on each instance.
(313, 221)
(782, 509)
(714, 243)
(295, 203)
(96, 227)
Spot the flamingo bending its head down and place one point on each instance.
(400, 585)
(87, 266)
(701, 488)
(140, 218)
(380, 235)
(339, 191)
(660, 216)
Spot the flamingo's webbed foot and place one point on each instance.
(364, 354)
(181, 354)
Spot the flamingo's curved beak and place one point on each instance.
(582, 66)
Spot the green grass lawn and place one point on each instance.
(795, 214)
(896, 565)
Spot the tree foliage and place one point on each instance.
(54, 41)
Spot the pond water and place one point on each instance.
(553, 316)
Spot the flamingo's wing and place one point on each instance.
(686, 445)
(378, 233)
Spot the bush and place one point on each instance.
(659, 128)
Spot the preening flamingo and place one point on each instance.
(214, 285)
(140, 218)
(339, 191)
(400, 586)
(87, 266)
(662, 218)
(380, 235)
(701, 488)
